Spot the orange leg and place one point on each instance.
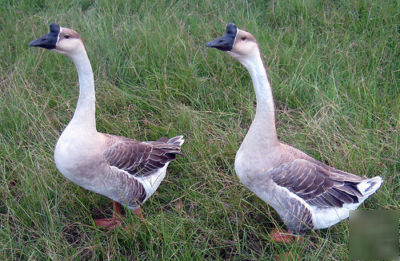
(138, 212)
(131, 228)
(117, 209)
(111, 223)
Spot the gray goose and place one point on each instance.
(125, 170)
(306, 193)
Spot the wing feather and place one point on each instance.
(316, 183)
(140, 158)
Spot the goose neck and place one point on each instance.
(263, 126)
(85, 110)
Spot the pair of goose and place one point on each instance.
(306, 193)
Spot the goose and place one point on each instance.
(123, 169)
(306, 193)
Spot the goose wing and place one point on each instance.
(140, 158)
(317, 184)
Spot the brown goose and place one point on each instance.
(122, 169)
(306, 193)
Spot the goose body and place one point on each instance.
(306, 193)
(123, 169)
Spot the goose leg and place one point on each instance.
(138, 212)
(111, 223)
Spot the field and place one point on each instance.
(334, 68)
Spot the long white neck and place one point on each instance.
(262, 131)
(85, 111)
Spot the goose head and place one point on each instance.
(238, 43)
(62, 40)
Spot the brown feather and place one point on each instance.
(316, 183)
(140, 158)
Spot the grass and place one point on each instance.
(335, 71)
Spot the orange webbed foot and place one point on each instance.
(284, 236)
(109, 223)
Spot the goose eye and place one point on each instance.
(67, 36)
(244, 38)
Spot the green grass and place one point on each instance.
(335, 70)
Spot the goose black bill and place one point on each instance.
(48, 40)
(226, 42)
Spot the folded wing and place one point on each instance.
(318, 184)
(141, 158)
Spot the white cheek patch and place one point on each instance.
(234, 40)
(58, 36)
(58, 39)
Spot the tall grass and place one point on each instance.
(335, 71)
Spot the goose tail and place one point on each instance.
(178, 140)
(368, 187)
